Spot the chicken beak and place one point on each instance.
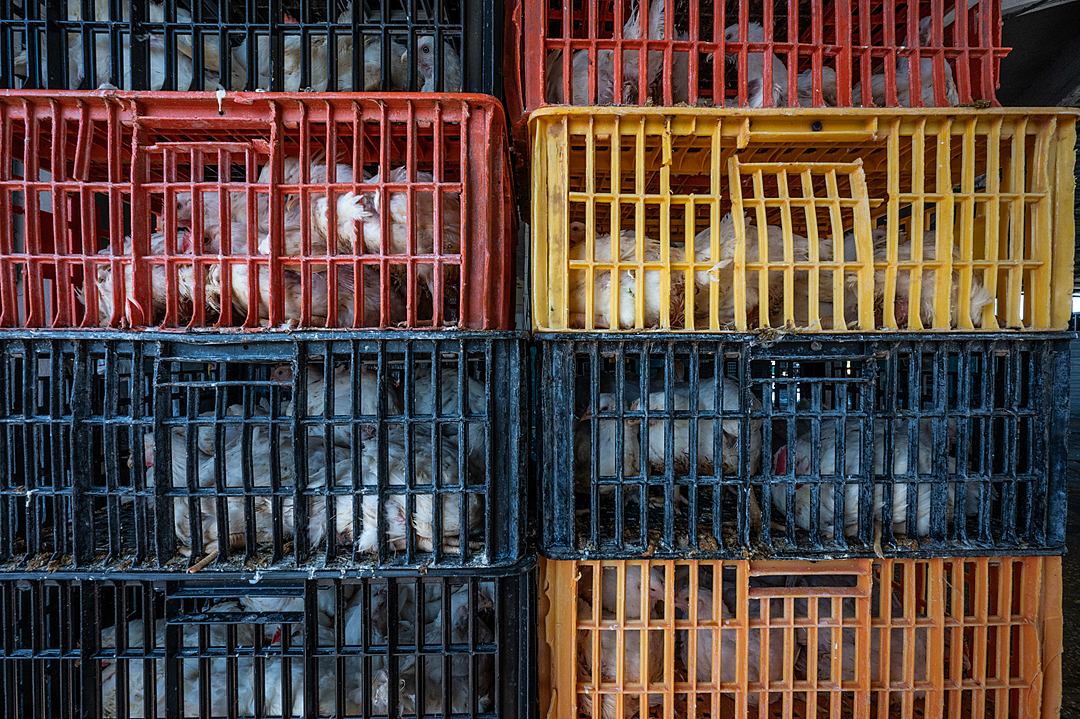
(586, 415)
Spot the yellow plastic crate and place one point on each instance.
(971, 637)
(663, 180)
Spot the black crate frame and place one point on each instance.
(574, 527)
(478, 33)
(70, 514)
(51, 653)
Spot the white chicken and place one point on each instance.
(475, 404)
(606, 92)
(903, 643)
(326, 607)
(756, 90)
(350, 309)
(393, 503)
(927, 93)
(460, 687)
(979, 297)
(373, 64)
(257, 512)
(212, 225)
(805, 84)
(680, 61)
(281, 680)
(722, 274)
(366, 533)
(319, 61)
(207, 435)
(425, 65)
(852, 453)
(339, 394)
(195, 683)
(731, 439)
(657, 308)
(603, 670)
(294, 288)
(291, 58)
(463, 618)
(447, 484)
(137, 693)
(129, 312)
(251, 294)
(630, 590)
(427, 238)
(727, 643)
(607, 435)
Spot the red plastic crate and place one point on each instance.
(117, 186)
(870, 46)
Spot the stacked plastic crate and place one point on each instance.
(858, 312)
(262, 404)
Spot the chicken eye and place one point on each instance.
(426, 49)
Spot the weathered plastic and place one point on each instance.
(965, 637)
(813, 54)
(233, 646)
(150, 452)
(1003, 178)
(252, 45)
(748, 448)
(426, 242)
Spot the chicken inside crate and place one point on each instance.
(388, 646)
(268, 212)
(250, 45)
(764, 53)
(842, 638)
(738, 449)
(808, 220)
(188, 456)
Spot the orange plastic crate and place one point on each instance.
(123, 188)
(972, 637)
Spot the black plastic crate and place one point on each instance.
(88, 422)
(799, 423)
(249, 45)
(228, 647)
